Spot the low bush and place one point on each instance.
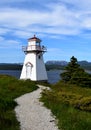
(70, 104)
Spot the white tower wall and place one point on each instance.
(40, 68)
(31, 60)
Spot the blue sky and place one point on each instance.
(64, 26)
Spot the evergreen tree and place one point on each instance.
(70, 69)
(75, 74)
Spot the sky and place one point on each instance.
(64, 26)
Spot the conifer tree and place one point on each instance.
(75, 74)
(70, 69)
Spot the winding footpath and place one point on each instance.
(31, 113)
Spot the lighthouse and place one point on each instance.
(34, 67)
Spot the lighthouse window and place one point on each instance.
(39, 56)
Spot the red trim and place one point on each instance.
(34, 38)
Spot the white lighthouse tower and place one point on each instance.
(34, 67)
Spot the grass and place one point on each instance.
(11, 88)
(70, 104)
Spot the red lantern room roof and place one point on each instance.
(34, 38)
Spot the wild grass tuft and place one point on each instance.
(11, 88)
(70, 104)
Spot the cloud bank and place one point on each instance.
(54, 19)
(62, 18)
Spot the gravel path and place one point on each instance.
(31, 113)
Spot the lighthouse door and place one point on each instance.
(28, 70)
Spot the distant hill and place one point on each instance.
(55, 64)
(61, 64)
(85, 64)
(10, 66)
(52, 64)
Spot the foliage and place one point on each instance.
(7, 66)
(70, 104)
(11, 88)
(75, 74)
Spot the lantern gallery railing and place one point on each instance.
(34, 48)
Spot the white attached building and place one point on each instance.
(34, 67)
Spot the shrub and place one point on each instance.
(70, 104)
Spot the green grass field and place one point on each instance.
(11, 88)
(70, 104)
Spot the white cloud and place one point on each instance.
(1, 39)
(22, 34)
(79, 4)
(10, 2)
(4, 31)
(46, 18)
(55, 20)
(59, 19)
(6, 43)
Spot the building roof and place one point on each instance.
(34, 38)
